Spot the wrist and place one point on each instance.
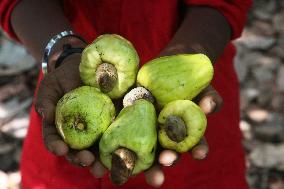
(60, 48)
(178, 48)
(203, 30)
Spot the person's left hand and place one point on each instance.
(194, 36)
(210, 102)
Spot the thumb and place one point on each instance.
(209, 100)
(48, 94)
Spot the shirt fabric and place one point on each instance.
(149, 25)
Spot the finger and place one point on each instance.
(209, 100)
(155, 176)
(53, 141)
(82, 158)
(47, 97)
(168, 157)
(98, 170)
(201, 150)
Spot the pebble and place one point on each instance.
(276, 184)
(268, 62)
(269, 132)
(246, 130)
(261, 27)
(253, 41)
(17, 154)
(14, 180)
(262, 15)
(251, 58)
(244, 102)
(17, 128)
(268, 156)
(258, 115)
(19, 62)
(251, 93)
(262, 74)
(277, 102)
(243, 63)
(6, 151)
(264, 9)
(3, 180)
(278, 21)
(241, 69)
(277, 51)
(264, 100)
(13, 107)
(280, 78)
(280, 41)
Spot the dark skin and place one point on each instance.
(203, 30)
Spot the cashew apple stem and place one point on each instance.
(122, 165)
(136, 94)
(106, 76)
(175, 128)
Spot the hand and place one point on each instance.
(210, 102)
(193, 36)
(54, 85)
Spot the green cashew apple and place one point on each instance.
(176, 77)
(128, 145)
(182, 124)
(82, 115)
(110, 63)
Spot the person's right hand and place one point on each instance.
(54, 85)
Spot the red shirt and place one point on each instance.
(149, 25)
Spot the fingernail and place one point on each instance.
(208, 105)
(78, 162)
(82, 164)
(167, 157)
(200, 154)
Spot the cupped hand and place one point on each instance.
(210, 102)
(54, 85)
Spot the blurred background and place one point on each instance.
(260, 67)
